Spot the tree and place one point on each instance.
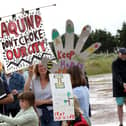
(122, 35)
(108, 41)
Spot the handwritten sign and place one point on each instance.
(69, 47)
(63, 104)
(23, 41)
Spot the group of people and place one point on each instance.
(29, 101)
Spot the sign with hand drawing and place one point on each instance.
(63, 102)
(69, 47)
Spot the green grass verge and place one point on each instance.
(99, 63)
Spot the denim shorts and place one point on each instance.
(120, 100)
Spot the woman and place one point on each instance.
(80, 89)
(41, 87)
(27, 115)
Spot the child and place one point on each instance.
(27, 115)
(79, 119)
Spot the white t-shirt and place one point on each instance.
(41, 93)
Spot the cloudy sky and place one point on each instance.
(100, 14)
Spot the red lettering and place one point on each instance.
(59, 54)
(37, 20)
(23, 51)
(42, 45)
(63, 55)
(12, 28)
(4, 29)
(9, 55)
(35, 46)
(56, 113)
(29, 21)
(71, 54)
(29, 49)
(17, 54)
(22, 24)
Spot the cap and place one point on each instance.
(122, 50)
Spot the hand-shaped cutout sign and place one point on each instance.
(68, 47)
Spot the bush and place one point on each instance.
(99, 63)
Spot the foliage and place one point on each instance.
(122, 35)
(99, 63)
(109, 42)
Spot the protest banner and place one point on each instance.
(23, 41)
(63, 102)
(68, 47)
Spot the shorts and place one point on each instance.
(120, 100)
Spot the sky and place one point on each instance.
(99, 14)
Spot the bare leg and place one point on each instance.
(120, 113)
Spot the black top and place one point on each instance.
(119, 77)
(4, 90)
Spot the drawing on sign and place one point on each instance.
(63, 103)
(59, 83)
(69, 99)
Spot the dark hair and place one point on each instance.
(29, 96)
(38, 74)
(77, 77)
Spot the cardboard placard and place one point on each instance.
(63, 103)
(23, 41)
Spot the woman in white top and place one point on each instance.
(43, 96)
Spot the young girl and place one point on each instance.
(27, 115)
(79, 119)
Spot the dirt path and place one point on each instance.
(102, 103)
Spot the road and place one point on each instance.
(102, 103)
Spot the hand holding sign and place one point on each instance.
(31, 71)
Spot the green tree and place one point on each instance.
(121, 34)
(108, 41)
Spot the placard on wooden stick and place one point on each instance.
(23, 41)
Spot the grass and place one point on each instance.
(99, 63)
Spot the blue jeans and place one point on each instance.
(51, 121)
